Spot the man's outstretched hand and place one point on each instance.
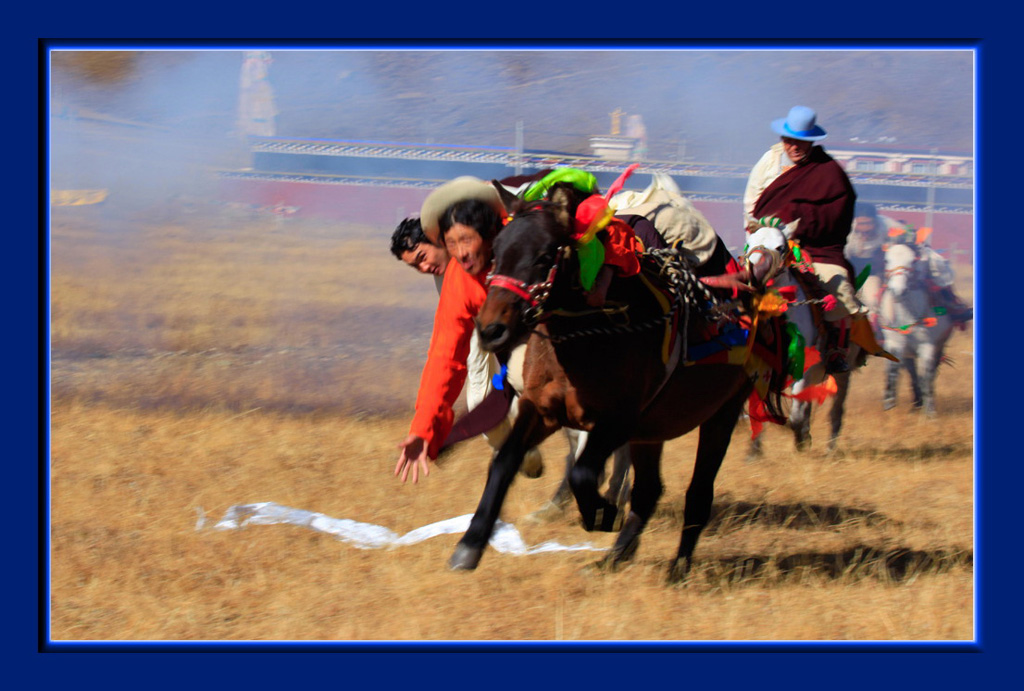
(413, 456)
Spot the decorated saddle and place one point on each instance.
(709, 322)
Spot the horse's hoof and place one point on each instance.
(465, 558)
(679, 572)
(803, 444)
(533, 464)
(604, 565)
(888, 404)
(548, 513)
(624, 555)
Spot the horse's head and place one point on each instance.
(527, 253)
(902, 269)
(767, 253)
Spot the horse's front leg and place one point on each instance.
(800, 423)
(597, 512)
(928, 365)
(913, 366)
(528, 431)
(892, 376)
(715, 435)
(647, 489)
(835, 413)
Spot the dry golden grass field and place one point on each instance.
(207, 360)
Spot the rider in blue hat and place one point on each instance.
(799, 184)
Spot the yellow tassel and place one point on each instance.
(771, 304)
(862, 334)
(596, 225)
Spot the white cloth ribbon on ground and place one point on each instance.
(506, 537)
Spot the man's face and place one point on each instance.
(864, 226)
(468, 248)
(796, 149)
(427, 258)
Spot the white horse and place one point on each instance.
(913, 330)
(768, 254)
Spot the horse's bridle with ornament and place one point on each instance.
(534, 294)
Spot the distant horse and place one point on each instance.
(769, 246)
(913, 330)
(617, 372)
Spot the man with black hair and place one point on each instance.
(411, 245)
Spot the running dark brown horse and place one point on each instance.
(607, 371)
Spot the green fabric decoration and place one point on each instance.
(591, 256)
(797, 254)
(861, 277)
(796, 351)
(580, 179)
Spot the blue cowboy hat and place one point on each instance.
(799, 124)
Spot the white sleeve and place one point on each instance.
(761, 175)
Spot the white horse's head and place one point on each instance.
(902, 270)
(766, 252)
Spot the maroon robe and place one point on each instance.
(822, 197)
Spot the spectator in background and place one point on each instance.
(865, 249)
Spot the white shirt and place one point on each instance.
(772, 164)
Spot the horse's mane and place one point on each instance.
(561, 200)
(567, 195)
(546, 211)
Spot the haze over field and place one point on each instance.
(704, 105)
